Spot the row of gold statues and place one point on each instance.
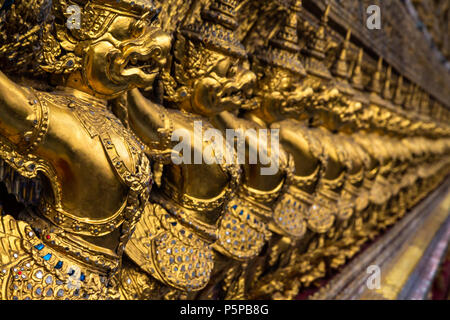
(87, 116)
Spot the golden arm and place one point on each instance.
(148, 120)
(17, 111)
(227, 120)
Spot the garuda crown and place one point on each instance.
(96, 15)
(217, 28)
(35, 37)
(283, 48)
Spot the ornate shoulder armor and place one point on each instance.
(20, 157)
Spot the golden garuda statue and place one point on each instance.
(218, 149)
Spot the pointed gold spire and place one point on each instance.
(398, 95)
(416, 97)
(375, 85)
(357, 76)
(217, 28)
(315, 50)
(283, 50)
(387, 84)
(287, 37)
(316, 47)
(425, 102)
(340, 67)
(408, 103)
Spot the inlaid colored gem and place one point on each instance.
(47, 256)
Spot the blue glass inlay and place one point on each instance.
(234, 207)
(82, 277)
(40, 246)
(241, 213)
(71, 272)
(59, 265)
(248, 217)
(47, 256)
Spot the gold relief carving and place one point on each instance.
(88, 117)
